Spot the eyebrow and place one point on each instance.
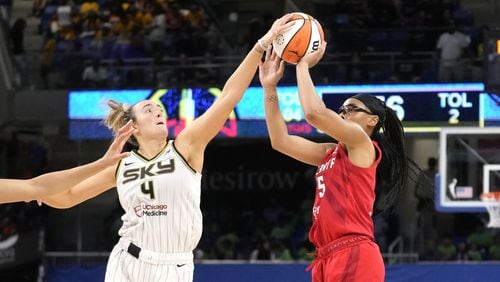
(352, 105)
(151, 104)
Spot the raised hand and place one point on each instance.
(279, 26)
(313, 58)
(114, 152)
(271, 70)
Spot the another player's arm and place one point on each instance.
(203, 129)
(87, 189)
(13, 190)
(192, 141)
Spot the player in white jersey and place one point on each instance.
(16, 190)
(159, 184)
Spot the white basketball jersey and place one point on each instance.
(161, 198)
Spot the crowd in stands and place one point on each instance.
(170, 43)
(481, 244)
(407, 28)
(140, 33)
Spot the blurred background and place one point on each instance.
(436, 62)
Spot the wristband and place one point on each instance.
(261, 45)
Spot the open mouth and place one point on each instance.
(160, 123)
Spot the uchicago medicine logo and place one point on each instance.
(146, 209)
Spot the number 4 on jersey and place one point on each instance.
(148, 189)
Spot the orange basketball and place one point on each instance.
(305, 36)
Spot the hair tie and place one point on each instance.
(125, 107)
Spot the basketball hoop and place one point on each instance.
(491, 201)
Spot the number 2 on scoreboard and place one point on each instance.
(454, 114)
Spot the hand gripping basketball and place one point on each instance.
(304, 36)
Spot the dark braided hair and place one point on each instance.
(395, 167)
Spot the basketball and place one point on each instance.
(305, 36)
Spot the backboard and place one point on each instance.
(469, 165)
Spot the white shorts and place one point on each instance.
(130, 264)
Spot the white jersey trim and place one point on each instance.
(183, 159)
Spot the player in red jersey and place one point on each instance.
(368, 159)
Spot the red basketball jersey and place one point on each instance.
(345, 194)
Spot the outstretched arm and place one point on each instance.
(192, 141)
(86, 189)
(299, 148)
(14, 190)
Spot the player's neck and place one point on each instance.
(152, 148)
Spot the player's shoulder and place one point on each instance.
(125, 163)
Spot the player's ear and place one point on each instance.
(373, 120)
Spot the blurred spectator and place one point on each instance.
(263, 251)
(225, 246)
(473, 253)
(424, 188)
(38, 6)
(407, 68)
(16, 35)
(5, 10)
(462, 254)
(446, 249)
(94, 75)
(47, 60)
(430, 251)
(452, 46)
(252, 34)
(283, 230)
(195, 16)
(64, 14)
(230, 29)
(466, 252)
(89, 6)
(118, 74)
(282, 253)
(494, 250)
(306, 252)
(424, 193)
(480, 237)
(385, 11)
(156, 37)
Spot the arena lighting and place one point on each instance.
(421, 107)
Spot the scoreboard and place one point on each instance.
(421, 107)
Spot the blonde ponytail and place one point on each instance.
(118, 116)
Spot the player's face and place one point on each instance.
(150, 120)
(352, 108)
(356, 111)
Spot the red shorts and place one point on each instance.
(349, 259)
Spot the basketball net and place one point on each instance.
(491, 201)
